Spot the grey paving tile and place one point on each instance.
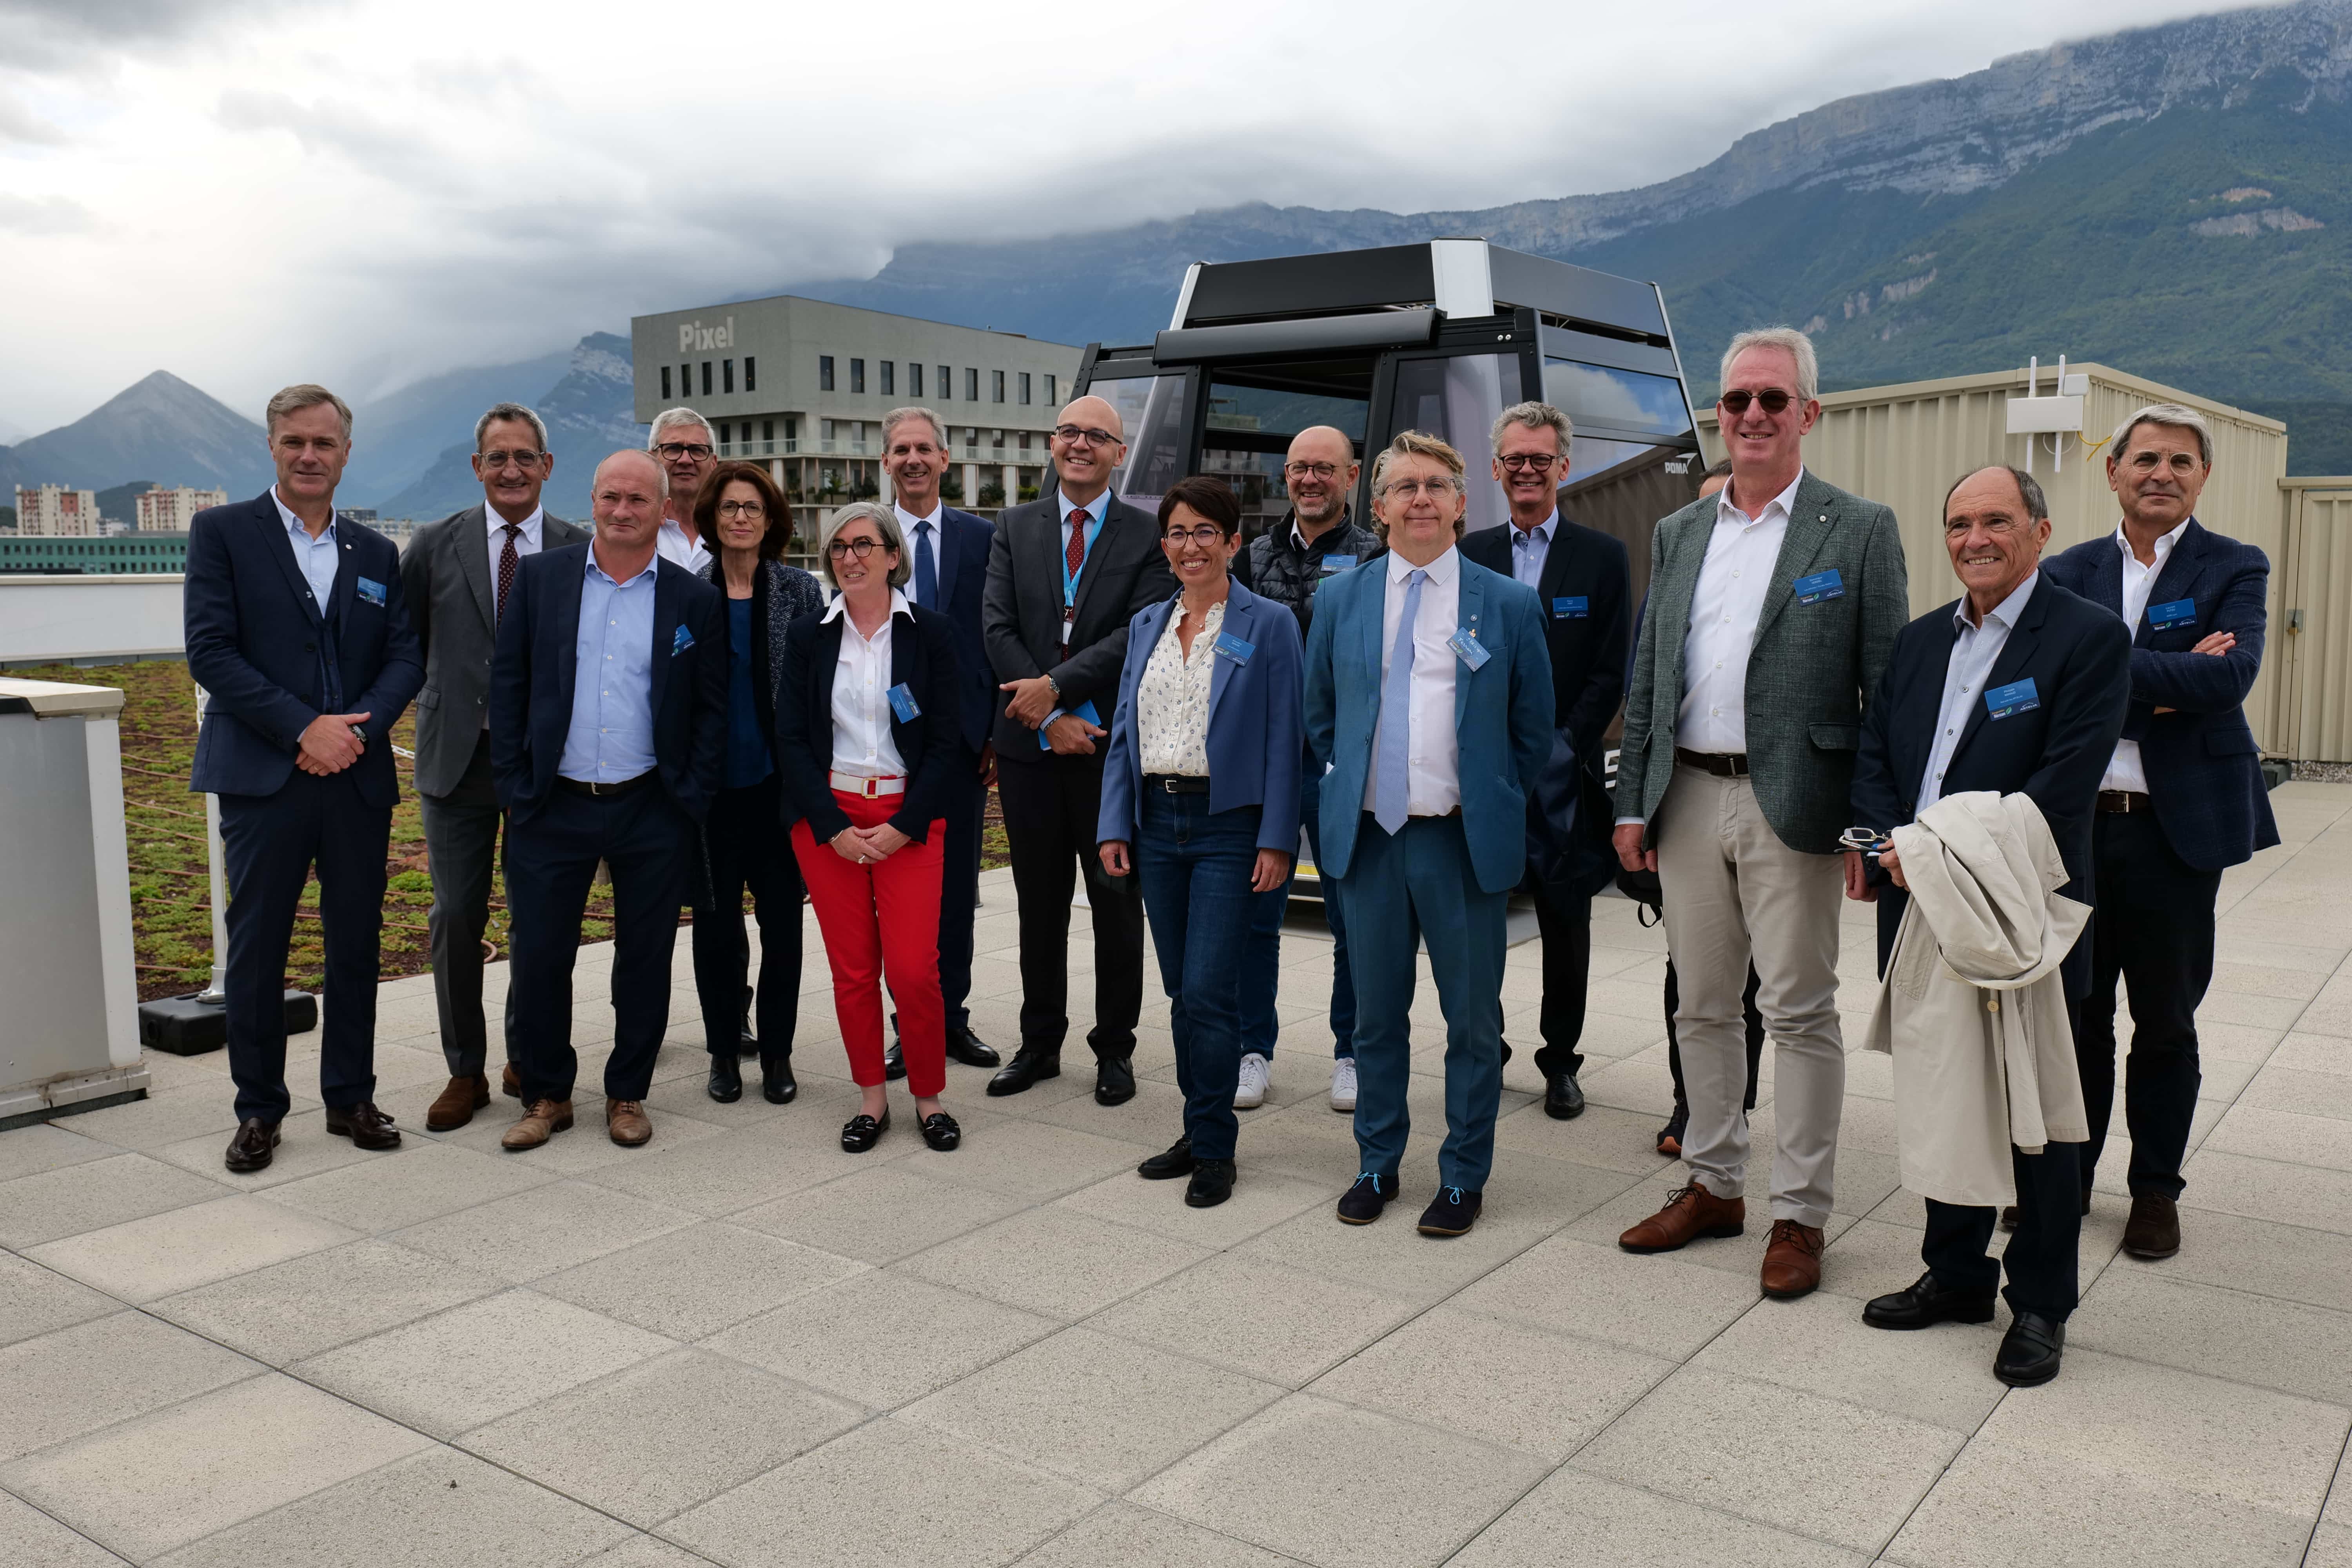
(655, 1438)
(47, 1146)
(93, 1374)
(2305, 1195)
(2203, 1327)
(474, 1363)
(297, 1309)
(424, 1180)
(93, 1195)
(1580, 1518)
(645, 1552)
(163, 1254)
(168, 1116)
(1390, 1256)
(2331, 1547)
(1604, 1136)
(1820, 1344)
(34, 1539)
(690, 1283)
(2305, 1052)
(1274, 1323)
(880, 1338)
(1355, 1489)
(1026, 1159)
(543, 1230)
(1137, 1538)
(151, 1485)
(1260, 1200)
(742, 1167)
(435, 1508)
(1722, 1442)
(1071, 1405)
(879, 1215)
(33, 1299)
(881, 1496)
(584, 1147)
(2277, 1088)
(1498, 1381)
(1659, 1305)
(305, 1148)
(1052, 1261)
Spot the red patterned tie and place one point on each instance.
(1077, 553)
(507, 560)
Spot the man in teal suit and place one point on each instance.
(1429, 699)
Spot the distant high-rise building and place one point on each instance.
(171, 511)
(55, 511)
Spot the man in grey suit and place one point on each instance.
(456, 576)
(1773, 609)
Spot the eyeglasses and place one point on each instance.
(861, 548)
(1310, 471)
(749, 509)
(1207, 534)
(674, 450)
(1076, 434)
(1540, 462)
(1435, 489)
(1772, 400)
(494, 461)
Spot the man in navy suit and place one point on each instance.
(1429, 698)
(297, 631)
(949, 559)
(2182, 800)
(608, 734)
(2017, 688)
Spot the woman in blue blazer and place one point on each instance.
(1199, 801)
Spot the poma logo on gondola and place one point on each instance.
(694, 335)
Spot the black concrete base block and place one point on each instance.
(184, 1026)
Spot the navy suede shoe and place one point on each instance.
(1362, 1204)
(1451, 1213)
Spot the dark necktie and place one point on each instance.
(1075, 556)
(927, 576)
(508, 562)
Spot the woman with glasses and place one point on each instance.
(868, 738)
(744, 842)
(1199, 801)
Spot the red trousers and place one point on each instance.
(876, 918)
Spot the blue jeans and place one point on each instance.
(1260, 1022)
(1195, 871)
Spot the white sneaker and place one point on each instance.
(1250, 1092)
(1343, 1084)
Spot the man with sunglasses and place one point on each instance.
(1773, 609)
(456, 576)
(1585, 591)
(680, 442)
(1066, 573)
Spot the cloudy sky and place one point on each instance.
(252, 192)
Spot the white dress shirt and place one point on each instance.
(2125, 770)
(920, 544)
(1529, 547)
(1724, 608)
(526, 543)
(672, 544)
(1974, 654)
(1432, 752)
(316, 558)
(1172, 698)
(862, 742)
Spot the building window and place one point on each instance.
(791, 428)
(996, 387)
(665, 383)
(686, 381)
(914, 378)
(1024, 386)
(706, 378)
(947, 385)
(1049, 389)
(971, 386)
(767, 426)
(824, 372)
(857, 375)
(750, 383)
(727, 376)
(889, 369)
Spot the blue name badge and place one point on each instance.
(683, 640)
(903, 703)
(1466, 645)
(1333, 564)
(2017, 697)
(1820, 585)
(373, 590)
(1233, 647)
(1083, 710)
(1575, 609)
(2180, 613)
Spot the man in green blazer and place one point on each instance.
(1773, 608)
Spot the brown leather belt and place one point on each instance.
(584, 786)
(1722, 764)
(2123, 800)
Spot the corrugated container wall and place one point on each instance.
(2312, 690)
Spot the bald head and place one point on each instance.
(1320, 472)
(1088, 444)
(625, 498)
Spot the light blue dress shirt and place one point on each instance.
(1974, 653)
(1529, 548)
(317, 558)
(612, 735)
(1093, 509)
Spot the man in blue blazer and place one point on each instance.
(2182, 799)
(2017, 688)
(297, 630)
(949, 561)
(608, 735)
(1429, 698)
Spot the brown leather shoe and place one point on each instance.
(364, 1125)
(1792, 1260)
(2154, 1229)
(510, 1083)
(456, 1104)
(541, 1120)
(625, 1119)
(1690, 1212)
(249, 1150)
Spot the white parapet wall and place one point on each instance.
(66, 620)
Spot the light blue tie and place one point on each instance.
(1389, 791)
(927, 582)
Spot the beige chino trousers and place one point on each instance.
(1736, 893)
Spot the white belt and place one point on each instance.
(858, 784)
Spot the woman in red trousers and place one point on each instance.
(866, 739)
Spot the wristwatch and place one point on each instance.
(1055, 687)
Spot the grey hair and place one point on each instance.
(886, 523)
(661, 472)
(673, 419)
(509, 411)
(2177, 416)
(1535, 416)
(898, 417)
(300, 396)
(1788, 341)
(2029, 491)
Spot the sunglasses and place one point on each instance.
(1772, 400)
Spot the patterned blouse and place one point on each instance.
(1171, 701)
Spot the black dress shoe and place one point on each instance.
(1362, 1204)
(2029, 1352)
(893, 1064)
(861, 1132)
(250, 1149)
(1025, 1068)
(1213, 1183)
(1451, 1213)
(967, 1048)
(1563, 1100)
(2154, 1229)
(2009, 1217)
(1176, 1160)
(777, 1084)
(749, 1046)
(1926, 1303)
(1670, 1136)
(726, 1084)
(940, 1131)
(1114, 1080)
(364, 1125)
